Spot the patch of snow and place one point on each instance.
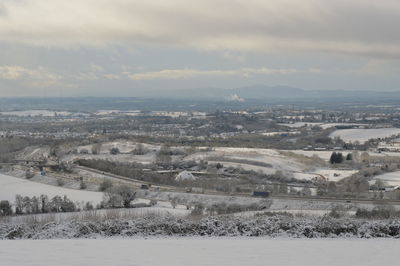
(248, 167)
(48, 113)
(11, 186)
(392, 179)
(300, 124)
(363, 135)
(268, 156)
(335, 174)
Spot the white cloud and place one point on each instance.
(377, 67)
(366, 27)
(94, 72)
(194, 73)
(22, 73)
(112, 76)
(179, 74)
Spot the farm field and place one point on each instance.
(392, 179)
(268, 160)
(11, 186)
(320, 124)
(363, 135)
(335, 174)
(201, 251)
(325, 155)
(48, 113)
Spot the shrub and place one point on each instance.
(337, 212)
(111, 200)
(174, 202)
(5, 208)
(88, 206)
(127, 193)
(84, 151)
(60, 182)
(380, 212)
(114, 151)
(82, 185)
(105, 185)
(198, 209)
(29, 174)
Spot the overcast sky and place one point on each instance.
(133, 47)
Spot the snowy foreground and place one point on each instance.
(201, 251)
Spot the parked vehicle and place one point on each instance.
(195, 190)
(144, 186)
(261, 194)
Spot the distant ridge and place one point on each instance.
(278, 92)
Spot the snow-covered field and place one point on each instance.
(267, 161)
(248, 167)
(335, 174)
(11, 186)
(362, 135)
(267, 156)
(325, 155)
(118, 112)
(48, 113)
(329, 174)
(300, 124)
(160, 210)
(392, 179)
(301, 205)
(277, 160)
(322, 125)
(201, 251)
(125, 147)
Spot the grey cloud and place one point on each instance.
(3, 10)
(366, 27)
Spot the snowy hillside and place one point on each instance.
(363, 135)
(11, 186)
(392, 179)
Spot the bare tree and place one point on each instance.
(139, 149)
(174, 202)
(120, 196)
(96, 148)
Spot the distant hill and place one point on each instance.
(278, 93)
(207, 99)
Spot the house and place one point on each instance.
(392, 188)
(185, 175)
